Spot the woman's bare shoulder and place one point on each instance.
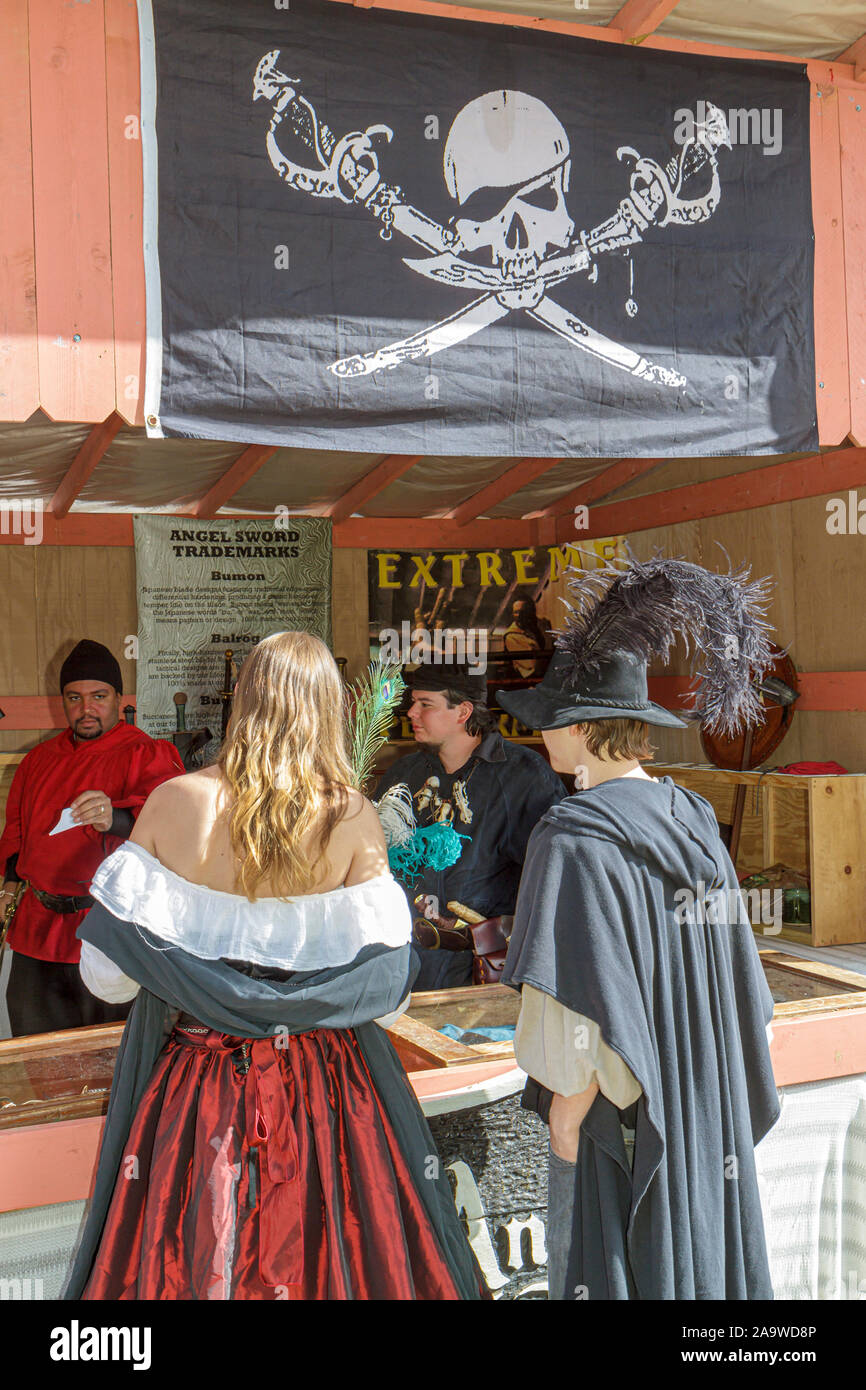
(358, 836)
(169, 806)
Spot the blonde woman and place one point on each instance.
(262, 1140)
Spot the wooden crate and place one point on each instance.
(815, 825)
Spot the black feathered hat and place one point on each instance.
(625, 615)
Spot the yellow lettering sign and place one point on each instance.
(490, 565)
(387, 565)
(522, 560)
(422, 570)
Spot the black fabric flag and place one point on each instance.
(392, 233)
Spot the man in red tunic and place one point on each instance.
(103, 770)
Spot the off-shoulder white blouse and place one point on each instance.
(310, 932)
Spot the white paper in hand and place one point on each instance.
(65, 823)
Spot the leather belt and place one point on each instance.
(56, 903)
(434, 938)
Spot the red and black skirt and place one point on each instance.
(265, 1169)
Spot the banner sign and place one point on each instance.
(495, 610)
(205, 586)
(396, 233)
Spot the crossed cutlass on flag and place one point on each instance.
(510, 141)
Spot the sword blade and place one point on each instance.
(570, 327)
(481, 313)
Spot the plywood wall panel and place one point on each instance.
(831, 340)
(19, 371)
(828, 587)
(350, 610)
(852, 127)
(71, 210)
(125, 187)
(84, 592)
(18, 637)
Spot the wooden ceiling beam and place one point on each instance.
(509, 482)
(244, 467)
(815, 476)
(81, 467)
(372, 483)
(856, 54)
(420, 533)
(639, 18)
(610, 479)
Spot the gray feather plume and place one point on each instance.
(640, 608)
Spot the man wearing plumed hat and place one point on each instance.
(644, 1007)
(103, 770)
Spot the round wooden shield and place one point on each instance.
(728, 752)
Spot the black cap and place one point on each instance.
(449, 675)
(90, 661)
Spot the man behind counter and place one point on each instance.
(491, 791)
(103, 770)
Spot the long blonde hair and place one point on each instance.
(285, 762)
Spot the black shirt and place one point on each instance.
(496, 799)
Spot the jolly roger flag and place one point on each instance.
(396, 233)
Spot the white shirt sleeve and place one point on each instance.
(103, 978)
(566, 1052)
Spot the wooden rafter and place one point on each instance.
(610, 479)
(509, 482)
(815, 476)
(372, 483)
(244, 467)
(638, 18)
(83, 464)
(856, 54)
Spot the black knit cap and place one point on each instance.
(449, 675)
(90, 661)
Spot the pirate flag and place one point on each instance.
(386, 232)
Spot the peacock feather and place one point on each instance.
(370, 708)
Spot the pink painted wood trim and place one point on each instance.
(852, 127)
(509, 482)
(78, 528)
(371, 485)
(38, 711)
(44, 1164)
(817, 475)
(444, 1081)
(391, 532)
(125, 207)
(832, 390)
(19, 363)
(616, 475)
(84, 463)
(638, 18)
(74, 308)
(819, 1048)
(244, 467)
(842, 691)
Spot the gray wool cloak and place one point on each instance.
(629, 913)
